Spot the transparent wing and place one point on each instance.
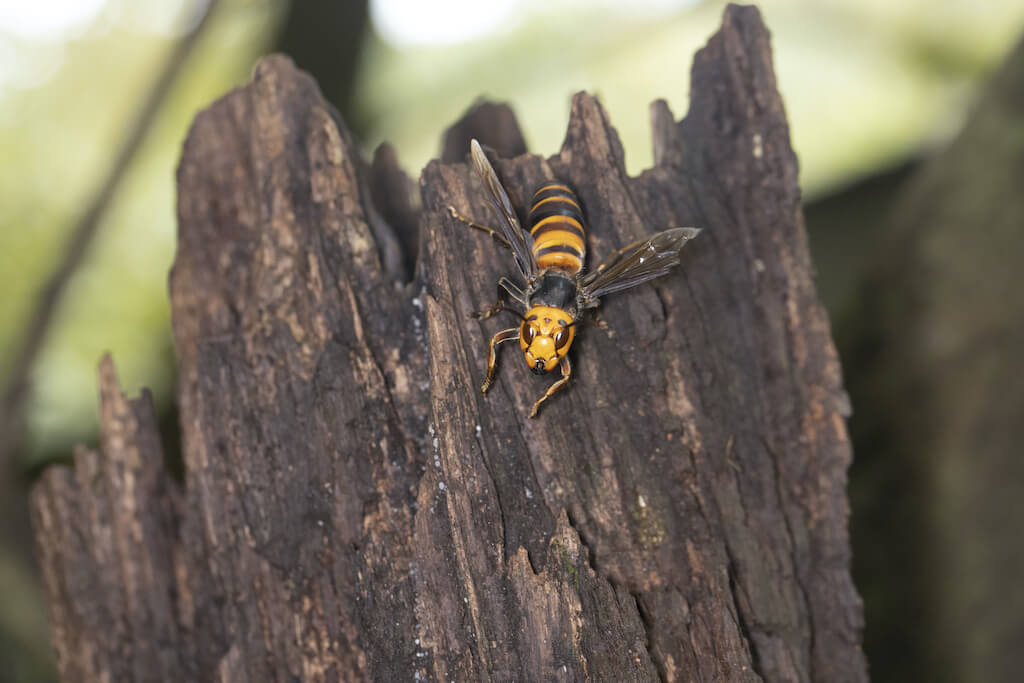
(518, 239)
(636, 263)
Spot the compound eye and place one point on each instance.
(527, 334)
(562, 338)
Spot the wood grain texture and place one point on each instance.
(110, 553)
(354, 508)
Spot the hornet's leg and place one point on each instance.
(492, 354)
(566, 371)
(505, 286)
(477, 226)
(597, 321)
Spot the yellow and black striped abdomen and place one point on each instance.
(556, 225)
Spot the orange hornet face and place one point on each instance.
(545, 337)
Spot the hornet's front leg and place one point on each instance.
(492, 354)
(597, 321)
(506, 289)
(566, 369)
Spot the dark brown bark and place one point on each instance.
(355, 509)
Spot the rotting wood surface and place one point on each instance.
(354, 508)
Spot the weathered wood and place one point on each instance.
(355, 509)
(110, 553)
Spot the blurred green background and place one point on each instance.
(872, 87)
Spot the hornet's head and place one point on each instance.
(545, 337)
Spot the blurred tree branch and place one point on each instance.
(932, 357)
(16, 386)
(325, 38)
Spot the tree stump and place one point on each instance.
(354, 509)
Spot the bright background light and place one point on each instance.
(51, 20)
(407, 23)
(411, 23)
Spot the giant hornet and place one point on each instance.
(550, 258)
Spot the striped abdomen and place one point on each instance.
(556, 225)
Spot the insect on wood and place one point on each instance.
(550, 257)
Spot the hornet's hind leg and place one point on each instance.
(492, 354)
(566, 371)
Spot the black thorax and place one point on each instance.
(556, 289)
